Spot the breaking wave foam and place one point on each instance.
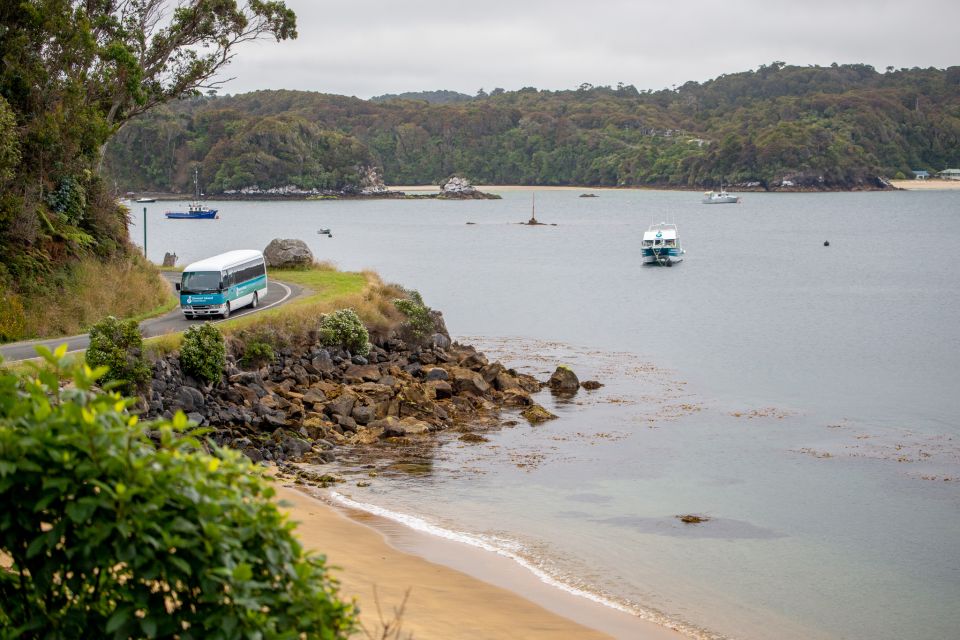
(512, 550)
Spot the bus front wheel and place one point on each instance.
(226, 311)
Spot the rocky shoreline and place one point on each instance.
(454, 188)
(277, 197)
(478, 195)
(312, 399)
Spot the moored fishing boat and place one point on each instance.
(720, 197)
(196, 209)
(661, 245)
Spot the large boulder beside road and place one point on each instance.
(288, 253)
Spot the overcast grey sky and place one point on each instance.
(370, 47)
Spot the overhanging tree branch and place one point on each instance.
(147, 52)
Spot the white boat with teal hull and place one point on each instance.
(661, 245)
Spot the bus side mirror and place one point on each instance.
(176, 285)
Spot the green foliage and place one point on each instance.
(419, 323)
(69, 199)
(820, 127)
(257, 354)
(109, 534)
(12, 320)
(117, 346)
(9, 142)
(203, 353)
(433, 97)
(343, 328)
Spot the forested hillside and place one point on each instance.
(838, 127)
(433, 97)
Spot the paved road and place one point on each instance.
(278, 293)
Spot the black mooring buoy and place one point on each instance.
(826, 243)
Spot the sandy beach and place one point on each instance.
(926, 185)
(444, 602)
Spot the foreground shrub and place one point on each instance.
(418, 322)
(343, 328)
(107, 534)
(256, 354)
(118, 346)
(202, 352)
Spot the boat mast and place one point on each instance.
(533, 209)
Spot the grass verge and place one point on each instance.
(326, 290)
(92, 290)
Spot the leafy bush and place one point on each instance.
(109, 535)
(257, 354)
(12, 322)
(343, 328)
(202, 353)
(69, 200)
(118, 346)
(418, 323)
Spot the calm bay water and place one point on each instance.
(804, 397)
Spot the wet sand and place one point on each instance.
(480, 598)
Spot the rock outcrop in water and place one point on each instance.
(459, 188)
(564, 380)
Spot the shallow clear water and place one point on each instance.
(804, 397)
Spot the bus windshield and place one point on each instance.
(200, 282)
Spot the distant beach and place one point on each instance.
(926, 185)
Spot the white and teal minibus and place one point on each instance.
(224, 283)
